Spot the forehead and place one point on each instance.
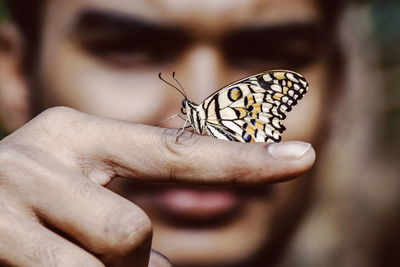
(212, 14)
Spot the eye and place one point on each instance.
(184, 103)
(135, 46)
(292, 45)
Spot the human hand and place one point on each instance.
(55, 210)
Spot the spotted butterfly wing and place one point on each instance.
(249, 110)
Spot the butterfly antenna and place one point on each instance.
(173, 76)
(170, 84)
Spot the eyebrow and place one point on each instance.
(97, 20)
(286, 30)
(103, 32)
(91, 21)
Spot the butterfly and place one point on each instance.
(248, 110)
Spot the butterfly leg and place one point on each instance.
(182, 130)
(180, 116)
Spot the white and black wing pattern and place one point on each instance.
(251, 109)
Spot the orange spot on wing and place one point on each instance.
(259, 125)
(280, 75)
(250, 100)
(256, 108)
(278, 96)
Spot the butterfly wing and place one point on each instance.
(222, 132)
(251, 109)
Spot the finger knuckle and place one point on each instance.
(58, 112)
(177, 148)
(54, 116)
(176, 142)
(54, 128)
(127, 230)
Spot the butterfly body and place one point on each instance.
(248, 110)
(195, 115)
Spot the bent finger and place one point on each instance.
(27, 243)
(105, 224)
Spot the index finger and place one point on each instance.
(148, 153)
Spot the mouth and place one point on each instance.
(196, 206)
(191, 206)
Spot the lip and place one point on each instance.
(191, 206)
(197, 204)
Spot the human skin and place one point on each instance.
(64, 149)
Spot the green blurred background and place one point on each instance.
(2, 11)
(386, 16)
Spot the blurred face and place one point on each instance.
(103, 57)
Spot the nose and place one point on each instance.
(202, 71)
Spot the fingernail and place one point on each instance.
(290, 150)
(161, 255)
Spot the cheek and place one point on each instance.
(304, 121)
(76, 80)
